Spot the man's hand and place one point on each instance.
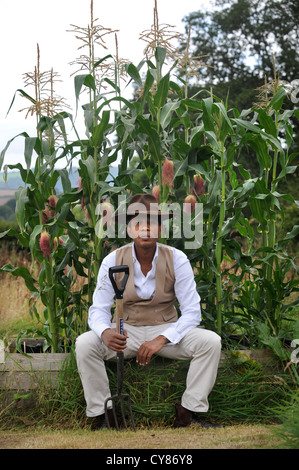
(115, 341)
(149, 348)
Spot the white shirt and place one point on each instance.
(99, 318)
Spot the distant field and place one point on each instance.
(6, 195)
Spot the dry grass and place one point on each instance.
(15, 295)
(195, 437)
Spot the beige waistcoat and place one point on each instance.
(159, 309)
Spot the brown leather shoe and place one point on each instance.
(99, 422)
(183, 417)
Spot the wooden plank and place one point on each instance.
(15, 380)
(20, 372)
(26, 343)
(263, 356)
(36, 361)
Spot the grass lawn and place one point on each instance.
(195, 437)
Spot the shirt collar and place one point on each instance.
(135, 257)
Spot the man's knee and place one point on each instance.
(215, 340)
(207, 339)
(86, 343)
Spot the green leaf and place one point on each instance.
(175, 87)
(153, 138)
(248, 125)
(180, 167)
(35, 233)
(286, 171)
(134, 73)
(180, 146)
(147, 86)
(23, 93)
(272, 341)
(65, 180)
(111, 83)
(90, 82)
(22, 237)
(166, 112)
(81, 80)
(223, 111)
(277, 100)
(90, 166)
(243, 171)
(2, 154)
(204, 152)
(29, 147)
(162, 92)
(192, 103)
(105, 188)
(98, 134)
(20, 207)
(109, 56)
(259, 205)
(23, 272)
(242, 229)
(207, 118)
(186, 120)
(293, 233)
(214, 188)
(259, 145)
(115, 98)
(267, 123)
(211, 137)
(160, 56)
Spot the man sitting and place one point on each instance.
(159, 275)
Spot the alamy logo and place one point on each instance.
(295, 353)
(185, 222)
(2, 351)
(294, 96)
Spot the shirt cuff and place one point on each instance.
(173, 336)
(98, 329)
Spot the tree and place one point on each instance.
(238, 38)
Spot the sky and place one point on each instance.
(26, 23)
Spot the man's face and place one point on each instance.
(144, 230)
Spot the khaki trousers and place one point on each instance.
(201, 347)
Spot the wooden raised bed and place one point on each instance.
(19, 372)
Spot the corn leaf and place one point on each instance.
(98, 135)
(23, 272)
(153, 138)
(20, 207)
(23, 93)
(134, 74)
(162, 92)
(3, 152)
(167, 112)
(267, 123)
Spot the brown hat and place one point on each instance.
(145, 204)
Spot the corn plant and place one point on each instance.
(65, 246)
(269, 134)
(45, 225)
